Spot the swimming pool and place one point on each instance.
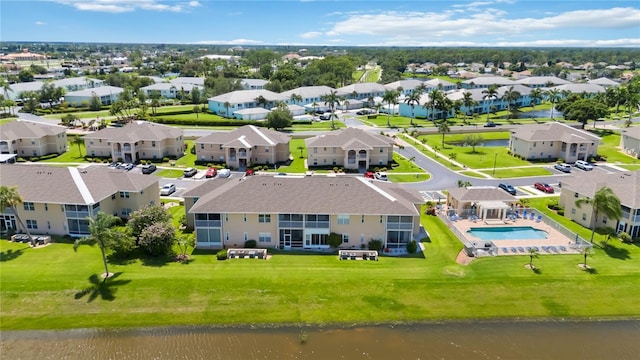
(507, 233)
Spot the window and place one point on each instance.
(345, 238)
(573, 211)
(264, 237)
(266, 149)
(362, 238)
(125, 212)
(381, 219)
(381, 150)
(246, 236)
(315, 150)
(362, 219)
(575, 195)
(46, 207)
(153, 144)
(264, 218)
(343, 219)
(124, 194)
(226, 236)
(113, 196)
(244, 217)
(28, 206)
(32, 224)
(201, 146)
(584, 216)
(604, 219)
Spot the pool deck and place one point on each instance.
(555, 240)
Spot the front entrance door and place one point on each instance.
(621, 227)
(287, 241)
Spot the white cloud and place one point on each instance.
(40, 23)
(488, 22)
(229, 42)
(311, 35)
(122, 6)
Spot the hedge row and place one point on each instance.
(225, 122)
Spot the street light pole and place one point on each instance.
(495, 159)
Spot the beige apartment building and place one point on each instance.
(58, 200)
(299, 212)
(27, 139)
(136, 141)
(630, 141)
(350, 148)
(244, 147)
(553, 140)
(626, 186)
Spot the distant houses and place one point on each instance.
(107, 95)
(630, 141)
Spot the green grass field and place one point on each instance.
(55, 288)
(297, 165)
(518, 172)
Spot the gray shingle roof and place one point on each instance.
(633, 132)
(408, 84)
(250, 134)
(305, 195)
(22, 129)
(60, 186)
(552, 131)
(580, 88)
(248, 96)
(344, 137)
(542, 80)
(603, 82)
(362, 88)
(480, 193)
(490, 80)
(99, 91)
(310, 92)
(136, 131)
(625, 185)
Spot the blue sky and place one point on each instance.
(569, 23)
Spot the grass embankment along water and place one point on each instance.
(54, 287)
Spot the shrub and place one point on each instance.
(561, 212)
(157, 239)
(222, 254)
(165, 159)
(624, 237)
(334, 240)
(375, 245)
(250, 244)
(412, 247)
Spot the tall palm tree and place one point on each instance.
(533, 254)
(391, 98)
(262, 101)
(78, 140)
(435, 96)
(10, 198)
(332, 99)
(295, 98)
(604, 202)
(226, 106)
(102, 233)
(553, 95)
(413, 99)
(536, 96)
(586, 252)
(490, 93)
(511, 96)
(443, 128)
(468, 103)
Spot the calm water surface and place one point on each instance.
(475, 340)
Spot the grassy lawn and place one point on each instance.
(518, 172)
(356, 75)
(317, 125)
(54, 287)
(408, 177)
(403, 165)
(169, 173)
(297, 165)
(72, 155)
(631, 167)
(609, 147)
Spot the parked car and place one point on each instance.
(211, 172)
(249, 172)
(325, 116)
(114, 165)
(544, 187)
(127, 166)
(167, 189)
(369, 175)
(189, 172)
(365, 112)
(224, 173)
(490, 124)
(380, 175)
(148, 169)
(581, 164)
(562, 167)
(508, 188)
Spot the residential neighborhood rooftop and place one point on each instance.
(136, 131)
(25, 129)
(626, 185)
(552, 131)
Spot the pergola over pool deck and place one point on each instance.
(485, 202)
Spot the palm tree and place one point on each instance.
(102, 233)
(295, 98)
(511, 96)
(412, 99)
(315, 108)
(332, 99)
(604, 202)
(262, 101)
(467, 102)
(536, 95)
(435, 96)
(586, 252)
(77, 140)
(553, 95)
(226, 106)
(490, 93)
(301, 148)
(391, 98)
(533, 254)
(443, 128)
(10, 198)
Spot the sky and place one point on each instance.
(501, 23)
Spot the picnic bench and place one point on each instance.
(247, 254)
(24, 238)
(357, 255)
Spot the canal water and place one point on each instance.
(452, 340)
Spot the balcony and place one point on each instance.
(208, 223)
(362, 156)
(317, 224)
(399, 226)
(291, 224)
(77, 214)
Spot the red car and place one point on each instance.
(369, 175)
(211, 172)
(544, 187)
(249, 172)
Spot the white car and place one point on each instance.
(581, 164)
(563, 167)
(380, 175)
(167, 189)
(224, 173)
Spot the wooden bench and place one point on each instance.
(357, 255)
(247, 254)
